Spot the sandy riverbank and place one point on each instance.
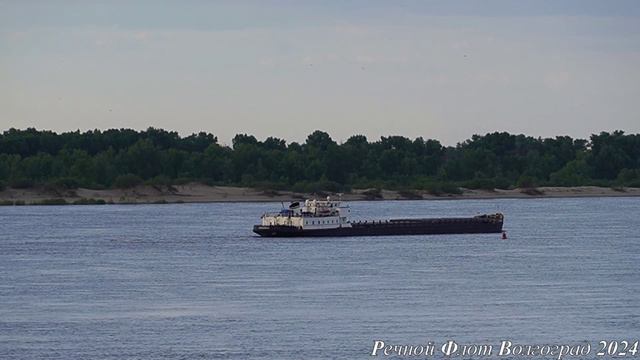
(195, 192)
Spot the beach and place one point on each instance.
(201, 193)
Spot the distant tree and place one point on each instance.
(107, 158)
(526, 181)
(127, 181)
(244, 139)
(319, 140)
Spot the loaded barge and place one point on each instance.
(332, 218)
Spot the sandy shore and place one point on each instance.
(195, 192)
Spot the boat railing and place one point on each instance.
(495, 218)
(304, 214)
(276, 214)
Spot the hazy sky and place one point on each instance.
(436, 69)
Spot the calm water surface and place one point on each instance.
(191, 281)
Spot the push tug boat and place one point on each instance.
(332, 218)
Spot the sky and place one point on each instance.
(434, 69)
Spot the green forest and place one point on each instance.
(123, 158)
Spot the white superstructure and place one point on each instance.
(314, 214)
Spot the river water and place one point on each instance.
(190, 281)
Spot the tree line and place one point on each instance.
(125, 158)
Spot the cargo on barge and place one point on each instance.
(332, 218)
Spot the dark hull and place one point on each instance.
(474, 225)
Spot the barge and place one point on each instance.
(332, 218)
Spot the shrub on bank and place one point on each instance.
(159, 180)
(127, 181)
(437, 188)
(21, 183)
(318, 187)
(443, 189)
(410, 194)
(490, 184)
(480, 183)
(633, 184)
(629, 177)
(56, 201)
(526, 182)
(65, 183)
(373, 194)
(532, 191)
(89, 201)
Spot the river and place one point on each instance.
(185, 281)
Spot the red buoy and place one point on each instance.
(504, 235)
